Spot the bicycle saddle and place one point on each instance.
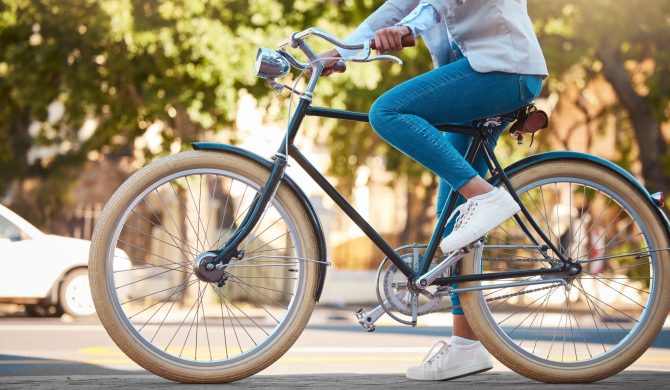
(527, 120)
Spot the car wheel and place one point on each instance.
(75, 294)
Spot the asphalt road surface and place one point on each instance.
(333, 352)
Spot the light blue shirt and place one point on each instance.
(494, 35)
(422, 18)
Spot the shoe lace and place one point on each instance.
(465, 211)
(436, 357)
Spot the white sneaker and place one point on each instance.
(478, 216)
(452, 361)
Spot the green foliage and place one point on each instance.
(571, 32)
(125, 64)
(129, 63)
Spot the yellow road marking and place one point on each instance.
(49, 361)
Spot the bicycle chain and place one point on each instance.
(509, 259)
(521, 293)
(507, 296)
(510, 295)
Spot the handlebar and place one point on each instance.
(296, 39)
(407, 41)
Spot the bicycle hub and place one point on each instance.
(206, 269)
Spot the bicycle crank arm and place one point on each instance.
(429, 277)
(367, 320)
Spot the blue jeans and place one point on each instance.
(453, 93)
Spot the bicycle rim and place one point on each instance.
(166, 307)
(604, 311)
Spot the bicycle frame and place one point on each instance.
(479, 141)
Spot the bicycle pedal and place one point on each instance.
(473, 245)
(365, 320)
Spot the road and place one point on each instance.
(55, 353)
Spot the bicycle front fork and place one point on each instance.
(210, 266)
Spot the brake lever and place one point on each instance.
(362, 54)
(382, 57)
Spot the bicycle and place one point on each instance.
(554, 293)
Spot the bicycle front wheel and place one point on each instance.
(165, 316)
(582, 328)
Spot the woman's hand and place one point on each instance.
(389, 38)
(329, 58)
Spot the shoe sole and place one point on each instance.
(454, 373)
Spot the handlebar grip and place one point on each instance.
(406, 41)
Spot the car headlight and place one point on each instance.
(271, 64)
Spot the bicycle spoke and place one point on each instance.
(181, 294)
(176, 239)
(181, 267)
(552, 324)
(183, 208)
(163, 301)
(537, 312)
(150, 252)
(146, 278)
(161, 226)
(169, 305)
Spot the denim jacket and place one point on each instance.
(494, 35)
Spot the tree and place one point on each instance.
(114, 68)
(79, 78)
(626, 43)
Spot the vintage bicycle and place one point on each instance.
(230, 258)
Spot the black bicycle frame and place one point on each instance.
(478, 141)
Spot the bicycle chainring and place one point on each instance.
(400, 297)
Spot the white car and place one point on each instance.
(44, 271)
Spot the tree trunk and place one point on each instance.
(646, 127)
(409, 227)
(419, 212)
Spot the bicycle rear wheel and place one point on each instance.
(603, 319)
(166, 318)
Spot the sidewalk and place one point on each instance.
(498, 380)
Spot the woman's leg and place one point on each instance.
(452, 93)
(403, 116)
(460, 143)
